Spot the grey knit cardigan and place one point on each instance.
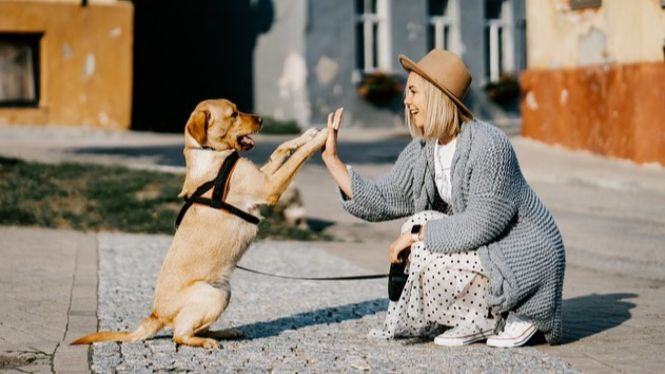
(493, 210)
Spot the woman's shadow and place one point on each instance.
(583, 316)
(586, 316)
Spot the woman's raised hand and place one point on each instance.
(329, 155)
(330, 148)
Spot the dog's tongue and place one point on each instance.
(247, 142)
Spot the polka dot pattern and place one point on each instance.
(442, 290)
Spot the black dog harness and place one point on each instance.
(220, 185)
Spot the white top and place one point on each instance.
(443, 158)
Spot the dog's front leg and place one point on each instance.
(285, 149)
(283, 176)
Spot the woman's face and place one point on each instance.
(415, 100)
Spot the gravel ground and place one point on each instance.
(288, 326)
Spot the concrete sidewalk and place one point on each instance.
(610, 214)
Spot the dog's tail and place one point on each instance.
(150, 326)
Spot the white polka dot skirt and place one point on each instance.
(441, 290)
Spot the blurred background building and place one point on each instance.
(66, 63)
(585, 74)
(596, 77)
(323, 54)
(286, 59)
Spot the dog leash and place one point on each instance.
(353, 277)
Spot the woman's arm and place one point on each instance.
(387, 197)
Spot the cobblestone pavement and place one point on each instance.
(610, 213)
(288, 326)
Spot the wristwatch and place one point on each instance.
(415, 232)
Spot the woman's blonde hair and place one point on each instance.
(444, 118)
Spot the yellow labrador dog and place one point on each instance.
(192, 288)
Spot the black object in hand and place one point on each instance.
(397, 278)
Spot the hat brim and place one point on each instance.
(411, 66)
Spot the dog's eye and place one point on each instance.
(234, 114)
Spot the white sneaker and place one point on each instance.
(516, 333)
(463, 335)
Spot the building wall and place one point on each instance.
(601, 88)
(280, 66)
(86, 62)
(333, 78)
(313, 41)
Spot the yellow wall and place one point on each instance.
(620, 31)
(86, 61)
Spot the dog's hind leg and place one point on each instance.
(204, 306)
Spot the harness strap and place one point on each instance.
(220, 188)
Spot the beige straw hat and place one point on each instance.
(444, 70)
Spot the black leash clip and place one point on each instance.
(397, 278)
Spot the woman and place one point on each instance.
(485, 257)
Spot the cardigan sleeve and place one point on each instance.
(387, 197)
(492, 200)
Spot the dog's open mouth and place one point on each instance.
(246, 142)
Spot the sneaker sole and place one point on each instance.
(512, 343)
(458, 342)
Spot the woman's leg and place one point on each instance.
(441, 290)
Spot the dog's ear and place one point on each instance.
(197, 126)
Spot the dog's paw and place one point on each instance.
(321, 137)
(210, 344)
(309, 134)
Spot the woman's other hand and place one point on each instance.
(403, 243)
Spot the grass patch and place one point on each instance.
(106, 198)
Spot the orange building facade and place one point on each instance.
(596, 77)
(66, 63)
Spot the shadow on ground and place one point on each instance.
(317, 317)
(589, 315)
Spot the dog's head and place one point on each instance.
(218, 124)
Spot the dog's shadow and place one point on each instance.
(589, 315)
(322, 316)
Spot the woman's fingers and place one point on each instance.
(338, 118)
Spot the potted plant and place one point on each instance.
(504, 91)
(379, 87)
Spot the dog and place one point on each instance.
(192, 289)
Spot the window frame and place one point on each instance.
(584, 4)
(449, 21)
(379, 59)
(34, 41)
(500, 44)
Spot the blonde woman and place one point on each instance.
(485, 257)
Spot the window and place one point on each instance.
(372, 36)
(19, 69)
(582, 4)
(498, 39)
(442, 32)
